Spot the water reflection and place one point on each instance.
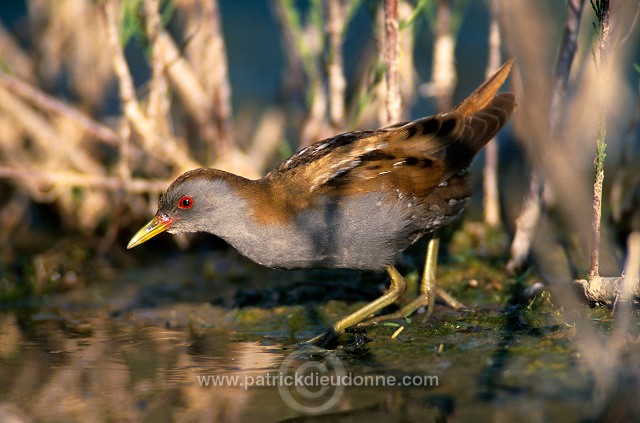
(90, 366)
(125, 372)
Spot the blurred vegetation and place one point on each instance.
(103, 103)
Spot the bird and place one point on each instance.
(353, 201)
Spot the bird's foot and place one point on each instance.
(423, 300)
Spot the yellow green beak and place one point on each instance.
(157, 225)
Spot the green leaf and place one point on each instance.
(167, 7)
(131, 23)
(417, 11)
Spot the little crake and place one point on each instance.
(352, 201)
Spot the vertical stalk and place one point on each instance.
(158, 101)
(491, 199)
(218, 74)
(165, 147)
(597, 201)
(444, 72)
(527, 220)
(393, 104)
(601, 8)
(335, 23)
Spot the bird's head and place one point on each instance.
(188, 205)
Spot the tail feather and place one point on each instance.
(485, 113)
(484, 94)
(484, 124)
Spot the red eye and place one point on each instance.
(185, 202)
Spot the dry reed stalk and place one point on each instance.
(157, 108)
(625, 288)
(164, 148)
(600, 53)
(59, 163)
(50, 145)
(491, 199)
(444, 63)
(268, 134)
(304, 45)
(185, 81)
(393, 103)
(54, 106)
(48, 179)
(71, 41)
(22, 66)
(530, 213)
(564, 159)
(335, 27)
(630, 288)
(215, 76)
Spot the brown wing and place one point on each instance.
(409, 158)
(413, 158)
(389, 158)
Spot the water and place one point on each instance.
(148, 346)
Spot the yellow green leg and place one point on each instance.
(428, 290)
(429, 286)
(397, 288)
